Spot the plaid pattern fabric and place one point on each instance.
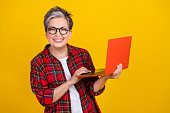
(47, 73)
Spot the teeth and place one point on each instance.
(58, 40)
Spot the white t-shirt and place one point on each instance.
(74, 95)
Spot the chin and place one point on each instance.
(59, 45)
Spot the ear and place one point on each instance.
(70, 34)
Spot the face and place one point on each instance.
(58, 40)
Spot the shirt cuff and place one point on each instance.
(96, 93)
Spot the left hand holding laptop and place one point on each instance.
(116, 74)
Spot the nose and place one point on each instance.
(58, 33)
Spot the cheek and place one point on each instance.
(66, 36)
(49, 36)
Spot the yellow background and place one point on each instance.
(142, 88)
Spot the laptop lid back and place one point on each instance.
(118, 51)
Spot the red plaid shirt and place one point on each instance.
(47, 74)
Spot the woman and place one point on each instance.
(53, 71)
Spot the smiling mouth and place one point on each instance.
(58, 40)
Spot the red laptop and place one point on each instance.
(118, 51)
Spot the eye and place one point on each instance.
(64, 29)
(51, 29)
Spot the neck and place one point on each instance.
(59, 52)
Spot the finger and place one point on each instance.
(80, 69)
(77, 71)
(119, 70)
(119, 66)
(85, 69)
(116, 72)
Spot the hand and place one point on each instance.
(116, 74)
(79, 71)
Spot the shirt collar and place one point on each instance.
(47, 52)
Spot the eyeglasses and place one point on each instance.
(62, 30)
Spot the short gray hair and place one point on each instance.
(57, 12)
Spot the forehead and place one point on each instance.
(58, 22)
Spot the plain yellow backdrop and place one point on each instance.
(142, 88)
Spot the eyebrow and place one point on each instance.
(60, 27)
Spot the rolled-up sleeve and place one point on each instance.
(91, 88)
(39, 86)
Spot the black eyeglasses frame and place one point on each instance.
(58, 29)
